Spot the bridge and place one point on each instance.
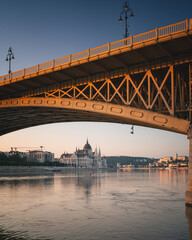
(143, 80)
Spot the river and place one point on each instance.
(83, 205)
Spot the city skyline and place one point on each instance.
(56, 29)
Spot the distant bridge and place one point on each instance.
(142, 80)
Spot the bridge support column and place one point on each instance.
(188, 194)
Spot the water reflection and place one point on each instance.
(82, 181)
(87, 205)
(17, 183)
(22, 183)
(166, 176)
(87, 182)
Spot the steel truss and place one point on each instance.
(164, 90)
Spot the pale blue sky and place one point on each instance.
(43, 30)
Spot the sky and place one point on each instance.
(42, 30)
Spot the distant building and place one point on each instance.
(40, 156)
(180, 158)
(12, 152)
(84, 158)
(118, 165)
(176, 161)
(165, 160)
(128, 166)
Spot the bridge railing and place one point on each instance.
(99, 50)
(62, 61)
(154, 34)
(31, 70)
(144, 36)
(173, 28)
(120, 43)
(78, 56)
(45, 65)
(17, 74)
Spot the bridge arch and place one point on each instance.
(20, 113)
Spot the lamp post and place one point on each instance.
(124, 13)
(9, 57)
(132, 129)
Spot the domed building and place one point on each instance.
(87, 149)
(84, 158)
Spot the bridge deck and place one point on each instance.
(158, 48)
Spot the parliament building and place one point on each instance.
(84, 158)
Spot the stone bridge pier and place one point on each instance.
(188, 194)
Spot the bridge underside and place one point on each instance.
(21, 113)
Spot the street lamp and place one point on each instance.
(9, 57)
(125, 11)
(132, 129)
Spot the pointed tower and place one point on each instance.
(96, 151)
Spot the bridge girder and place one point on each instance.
(20, 113)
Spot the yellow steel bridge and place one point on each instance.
(143, 80)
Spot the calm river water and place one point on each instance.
(135, 204)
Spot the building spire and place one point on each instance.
(96, 150)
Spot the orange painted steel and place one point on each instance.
(107, 48)
(65, 110)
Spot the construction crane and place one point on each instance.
(14, 149)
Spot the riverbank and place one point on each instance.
(23, 171)
(21, 168)
(156, 168)
(43, 169)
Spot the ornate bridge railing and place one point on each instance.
(131, 41)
